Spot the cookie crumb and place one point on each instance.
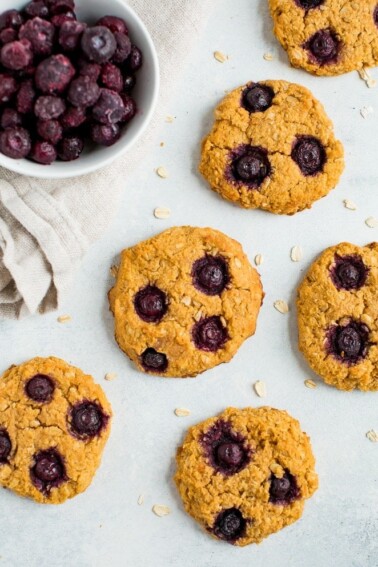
(366, 110)
(220, 57)
(170, 118)
(371, 222)
(182, 412)
(162, 212)
(260, 388)
(162, 172)
(310, 384)
(259, 259)
(110, 376)
(64, 318)
(372, 435)
(281, 306)
(140, 500)
(348, 204)
(160, 510)
(296, 254)
(162, 144)
(268, 56)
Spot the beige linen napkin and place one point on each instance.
(46, 226)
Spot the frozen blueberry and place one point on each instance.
(50, 131)
(43, 152)
(49, 107)
(105, 134)
(60, 6)
(225, 449)
(151, 304)
(209, 334)
(40, 388)
(48, 470)
(309, 154)
(16, 55)
(37, 9)
(257, 98)
(73, 118)
(87, 419)
(135, 59)
(111, 77)
(250, 165)
(40, 33)
(83, 92)
(324, 46)
(309, 4)
(109, 108)
(54, 74)
(230, 525)
(130, 107)
(5, 445)
(283, 491)
(10, 118)
(154, 361)
(70, 34)
(15, 142)
(91, 70)
(25, 97)
(123, 48)
(98, 44)
(70, 148)
(129, 83)
(348, 343)
(210, 274)
(8, 35)
(113, 23)
(349, 272)
(8, 87)
(11, 19)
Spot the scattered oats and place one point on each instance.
(366, 110)
(371, 222)
(310, 384)
(259, 259)
(186, 300)
(182, 412)
(114, 271)
(281, 306)
(296, 254)
(365, 76)
(162, 212)
(260, 388)
(170, 119)
(198, 316)
(161, 510)
(64, 318)
(350, 205)
(372, 436)
(110, 376)
(223, 321)
(140, 500)
(162, 172)
(268, 56)
(238, 263)
(221, 57)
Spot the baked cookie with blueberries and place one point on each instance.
(246, 474)
(272, 147)
(184, 301)
(54, 423)
(327, 37)
(338, 316)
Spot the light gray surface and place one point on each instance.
(105, 526)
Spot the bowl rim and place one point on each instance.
(119, 148)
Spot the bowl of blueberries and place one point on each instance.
(78, 85)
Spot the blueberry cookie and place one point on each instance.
(338, 316)
(272, 147)
(327, 37)
(54, 423)
(246, 474)
(184, 301)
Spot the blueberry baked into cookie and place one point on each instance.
(327, 37)
(54, 423)
(184, 301)
(246, 474)
(338, 316)
(272, 147)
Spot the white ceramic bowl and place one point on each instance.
(145, 94)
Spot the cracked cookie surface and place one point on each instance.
(272, 147)
(184, 301)
(54, 423)
(327, 37)
(246, 474)
(337, 307)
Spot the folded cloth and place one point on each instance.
(46, 226)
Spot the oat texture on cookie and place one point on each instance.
(338, 316)
(246, 474)
(184, 301)
(54, 423)
(272, 147)
(327, 37)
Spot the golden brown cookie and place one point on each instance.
(272, 147)
(338, 316)
(184, 301)
(327, 37)
(246, 474)
(54, 423)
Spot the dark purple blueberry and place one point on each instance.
(229, 525)
(309, 154)
(59, 19)
(283, 491)
(70, 34)
(98, 44)
(73, 117)
(25, 97)
(5, 446)
(153, 361)
(250, 165)
(11, 19)
(70, 148)
(129, 83)
(50, 131)
(8, 35)
(209, 334)
(309, 4)
(210, 274)
(10, 118)
(349, 272)
(257, 98)
(324, 46)
(111, 77)
(375, 16)
(130, 107)
(105, 134)
(48, 470)
(135, 59)
(113, 23)
(123, 48)
(91, 70)
(225, 449)
(15, 143)
(8, 87)
(83, 92)
(40, 388)
(151, 304)
(16, 55)
(37, 9)
(40, 33)
(43, 152)
(49, 107)
(87, 419)
(60, 6)
(109, 108)
(348, 343)
(54, 74)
